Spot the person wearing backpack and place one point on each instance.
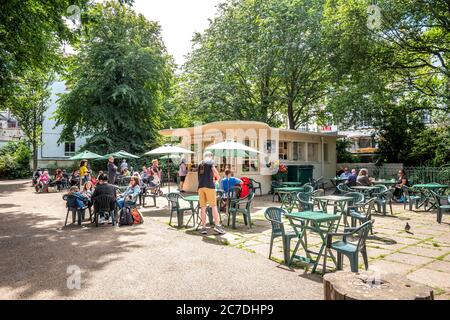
(207, 174)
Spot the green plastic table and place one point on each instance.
(426, 196)
(313, 221)
(385, 182)
(196, 198)
(339, 203)
(287, 196)
(291, 184)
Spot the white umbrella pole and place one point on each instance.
(168, 171)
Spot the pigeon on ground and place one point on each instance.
(407, 227)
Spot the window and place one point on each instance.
(313, 152)
(12, 124)
(269, 146)
(283, 150)
(69, 149)
(299, 151)
(250, 163)
(325, 152)
(364, 143)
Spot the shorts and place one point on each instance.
(207, 196)
(182, 178)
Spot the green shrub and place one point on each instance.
(15, 160)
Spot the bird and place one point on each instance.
(407, 227)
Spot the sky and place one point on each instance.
(179, 20)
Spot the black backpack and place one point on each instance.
(125, 218)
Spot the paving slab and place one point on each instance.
(432, 278)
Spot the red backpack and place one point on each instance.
(245, 185)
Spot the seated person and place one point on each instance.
(345, 174)
(131, 193)
(363, 178)
(143, 173)
(351, 180)
(36, 176)
(126, 173)
(43, 181)
(75, 178)
(79, 198)
(155, 180)
(59, 179)
(104, 188)
(229, 181)
(402, 181)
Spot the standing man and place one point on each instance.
(182, 172)
(207, 174)
(112, 170)
(123, 166)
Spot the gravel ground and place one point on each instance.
(150, 261)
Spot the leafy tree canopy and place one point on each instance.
(118, 81)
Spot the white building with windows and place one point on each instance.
(51, 152)
(9, 128)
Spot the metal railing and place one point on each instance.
(415, 174)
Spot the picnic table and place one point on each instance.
(317, 222)
(287, 196)
(339, 203)
(426, 196)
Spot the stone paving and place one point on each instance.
(422, 254)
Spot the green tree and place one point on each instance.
(15, 160)
(29, 104)
(258, 60)
(118, 81)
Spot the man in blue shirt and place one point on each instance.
(229, 181)
(346, 174)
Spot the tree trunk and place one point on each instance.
(35, 158)
(368, 285)
(292, 124)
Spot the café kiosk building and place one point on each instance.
(286, 146)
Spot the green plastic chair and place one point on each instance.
(348, 249)
(383, 199)
(343, 188)
(362, 213)
(255, 185)
(274, 215)
(305, 201)
(308, 188)
(244, 206)
(273, 186)
(411, 198)
(442, 203)
(175, 207)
